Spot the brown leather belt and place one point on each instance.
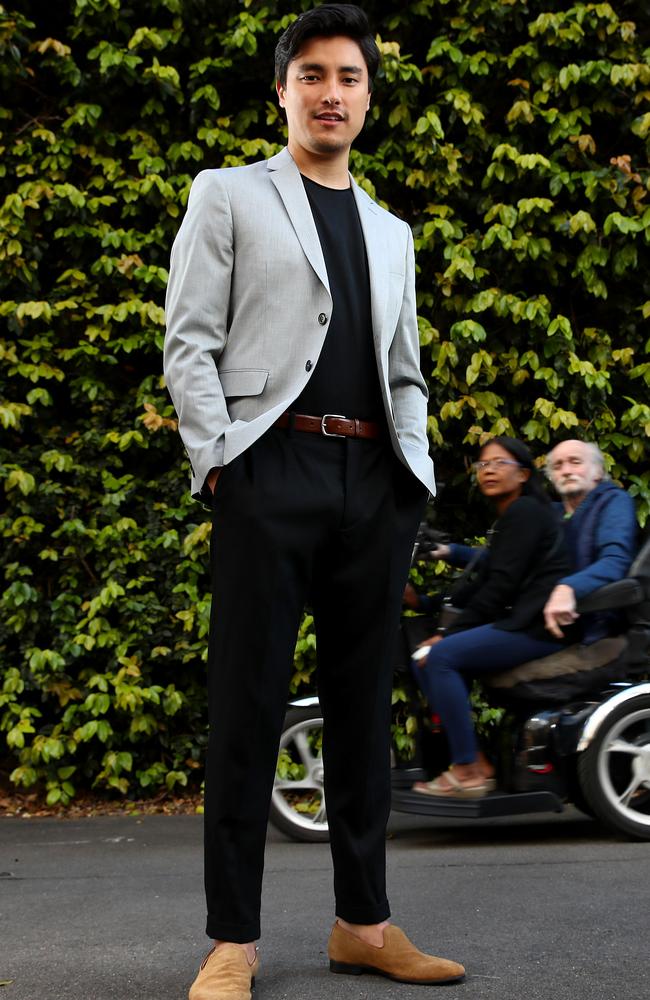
(331, 425)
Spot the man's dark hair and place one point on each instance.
(327, 21)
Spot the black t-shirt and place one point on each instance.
(345, 379)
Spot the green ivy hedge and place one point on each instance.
(513, 136)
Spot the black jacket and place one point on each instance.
(525, 559)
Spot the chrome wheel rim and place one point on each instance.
(624, 767)
(301, 800)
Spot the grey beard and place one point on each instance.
(573, 492)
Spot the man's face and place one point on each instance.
(573, 470)
(326, 95)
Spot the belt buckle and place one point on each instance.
(326, 416)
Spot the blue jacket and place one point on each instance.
(461, 555)
(601, 539)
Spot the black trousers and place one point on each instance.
(302, 518)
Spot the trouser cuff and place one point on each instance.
(355, 914)
(238, 933)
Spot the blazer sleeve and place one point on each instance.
(197, 303)
(511, 557)
(409, 393)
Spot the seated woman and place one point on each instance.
(501, 623)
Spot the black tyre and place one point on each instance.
(614, 770)
(298, 799)
(581, 803)
(576, 795)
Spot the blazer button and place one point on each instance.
(308, 366)
(322, 319)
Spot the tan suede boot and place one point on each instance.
(398, 959)
(225, 972)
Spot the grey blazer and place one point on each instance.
(248, 308)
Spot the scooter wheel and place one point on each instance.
(614, 770)
(298, 797)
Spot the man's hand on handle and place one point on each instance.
(411, 597)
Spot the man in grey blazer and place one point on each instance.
(292, 357)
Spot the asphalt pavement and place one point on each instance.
(111, 908)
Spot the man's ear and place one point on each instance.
(280, 90)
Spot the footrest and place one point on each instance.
(405, 777)
(494, 804)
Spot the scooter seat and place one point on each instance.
(571, 660)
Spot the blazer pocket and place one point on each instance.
(243, 381)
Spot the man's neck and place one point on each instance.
(572, 503)
(330, 171)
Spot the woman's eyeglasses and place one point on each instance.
(493, 463)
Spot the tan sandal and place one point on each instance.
(448, 785)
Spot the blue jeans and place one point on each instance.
(485, 648)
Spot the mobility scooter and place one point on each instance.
(581, 736)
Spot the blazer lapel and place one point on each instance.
(377, 251)
(286, 177)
